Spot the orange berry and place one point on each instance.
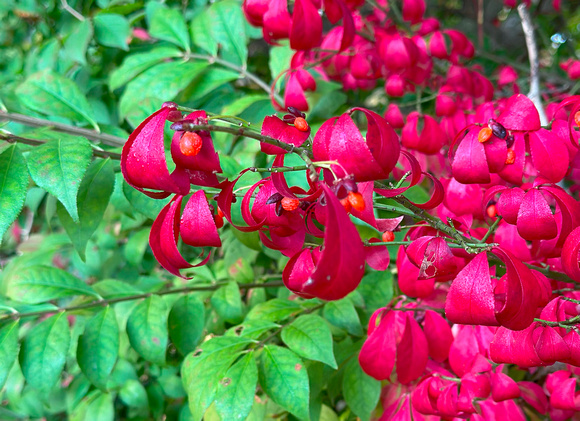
(511, 157)
(301, 124)
(290, 204)
(577, 118)
(484, 134)
(346, 204)
(491, 211)
(190, 144)
(388, 236)
(356, 201)
(220, 213)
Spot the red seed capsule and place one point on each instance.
(346, 204)
(220, 213)
(290, 204)
(356, 201)
(511, 157)
(491, 211)
(190, 144)
(484, 134)
(388, 236)
(301, 124)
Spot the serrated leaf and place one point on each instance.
(227, 28)
(212, 79)
(13, 185)
(204, 368)
(112, 30)
(38, 284)
(142, 203)
(163, 80)
(361, 392)
(134, 394)
(8, 349)
(92, 200)
(309, 336)
(135, 64)
(147, 329)
(200, 28)
(284, 379)
(101, 408)
(49, 93)
(227, 302)
(58, 167)
(376, 289)
(252, 329)
(98, 347)
(274, 310)
(169, 25)
(44, 350)
(237, 388)
(342, 314)
(78, 40)
(186, 323)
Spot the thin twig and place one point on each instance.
(10, 138)
(103, 138)
(72, 11)
(106, 302)
(534, 93)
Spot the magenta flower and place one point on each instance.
(429, 139)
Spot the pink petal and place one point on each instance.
(408, 274)
(298, 270)
(377, 257)
(550, 154)
(377, 355)
(562, 397)
(551, 346)
(412, 352)
(503, 387)
(508, 205)
(570, 259)
(514, 347)
(471, 298)
(520, 114)
(470, 164)
(294, 93)
(463, 351)
(306, 28)
(535, 219)
(534, 395)
(438, 335)
(198, 227)
(513, 172)
(143, 159)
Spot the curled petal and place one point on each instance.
(298, 270)
(143, 159)
(534, 395)
(570, 257)
(377, 257)
(408, 278)
(470, 163)
(412, 352)
(503, 387)
(513, 172)
(551, 347)
(509, 203)
(198, 227)
(514, 347)
(520, 114)
(306, 28)
(377, 355)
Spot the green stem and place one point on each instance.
(279, 169)
(566, 323)
(106, 302)
(491, 230)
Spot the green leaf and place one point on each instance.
(285, 380)
(342, 314)
(112, 30)
(239, 105)
(274, 310)
(200, 28)
(49, 93)
(204, 368)
(136, 246)
(101, 408)
(361, 392)
(236, 390)
(134, 394)
(8, 349)
(92, 200)
(227, 28)
(98, 347)
(163, 80)
(77, 41)
(227, 303)
(309, 336)
(142, 203)
(252, 329)
(59, 166)
(213, 78)
(38, 284)
(169, 25)
(279, 61)
(111, 288)
(186, 322)
(44, 350)
(376, 289)
(147, 329)
(13, 185)
(135, 64)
